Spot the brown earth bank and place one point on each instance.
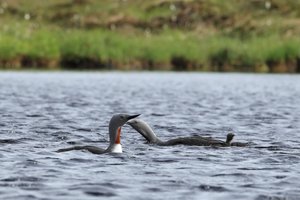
(175, 64)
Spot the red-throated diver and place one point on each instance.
(115, 124)
(145, 130)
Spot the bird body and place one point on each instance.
(146, 131)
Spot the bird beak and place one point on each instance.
(132, 116)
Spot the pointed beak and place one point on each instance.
(132, 116)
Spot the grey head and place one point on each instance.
(115, 124)
(144, 129)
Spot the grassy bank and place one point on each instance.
(143, 35)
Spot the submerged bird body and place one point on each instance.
(115, 124)
(146, 131)
(197, 141)
(240, 144)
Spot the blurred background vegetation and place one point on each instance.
(204, 35)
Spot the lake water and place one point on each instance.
(41, 112)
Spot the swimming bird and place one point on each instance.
(146, 131)
(115, 124)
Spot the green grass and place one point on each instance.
(103, 45)
(228, 35)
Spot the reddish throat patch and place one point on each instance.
(118, 138)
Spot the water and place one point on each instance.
(42, 112)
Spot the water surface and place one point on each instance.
(42, 112)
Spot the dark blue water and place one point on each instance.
(42, 112)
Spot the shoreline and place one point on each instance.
(136, 65)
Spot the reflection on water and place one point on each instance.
(41, 112)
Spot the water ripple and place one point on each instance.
(42, 112)
(211, 188)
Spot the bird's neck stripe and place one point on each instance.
(118, 138)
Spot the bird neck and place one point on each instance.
(229, 138)
(146, 131)
(114, 134)
(114, 140)
(150, 136)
